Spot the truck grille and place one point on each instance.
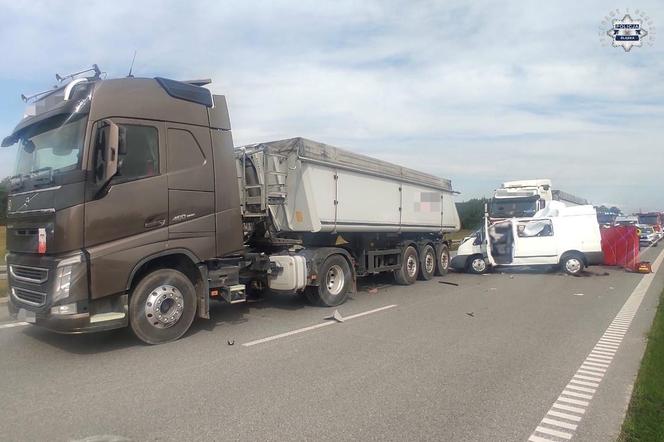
(29, 297)
(36, 275)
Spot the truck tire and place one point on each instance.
(335, 282)
(407, 274)
(572, 263)
(427, 263)
(162, 306)
(443, 260)
(477, 264)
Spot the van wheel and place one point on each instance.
(410, 263)
(335, 281)
(477, 265)
(443, 261)
(428, 263)
(572, 263)
(162, 306)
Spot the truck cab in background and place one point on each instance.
(525, 197)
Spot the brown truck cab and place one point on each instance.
(117, 180)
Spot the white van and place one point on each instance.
(556, 235)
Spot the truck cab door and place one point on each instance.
(534, 242)
(127, 217)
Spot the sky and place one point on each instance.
(477, 92)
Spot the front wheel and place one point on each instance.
(162, 306)
(477, 265)
(572, 263)
(335, 282)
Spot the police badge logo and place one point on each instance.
(627, 30)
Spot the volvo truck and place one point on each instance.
(130, 206)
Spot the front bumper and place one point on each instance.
(70, 324)
(459, 262)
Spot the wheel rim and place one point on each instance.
(429, 262)
(478, 265)
(573, 265)
(164, 306)
(444, 260)
(335, 279)
(411, 266)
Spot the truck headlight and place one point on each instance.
(63, 276)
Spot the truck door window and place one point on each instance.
(534, 228)
(141, 157)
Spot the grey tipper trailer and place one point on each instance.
(130, 207)
(315, 187)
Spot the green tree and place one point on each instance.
(471, 213)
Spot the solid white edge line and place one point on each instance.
(558, 423)
(553, 432)
(621, 322)
(567, 416)
(313, 327)
(569, 408)
(575, 394)
(573, 401)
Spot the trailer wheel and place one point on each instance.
(162, 306)
(572, 263)
(477, 265)
(407, 274)
(335, 282)
(443, 261)
(427, 263)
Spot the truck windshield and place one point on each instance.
(53, 145)
(512, 208)
(648, 219)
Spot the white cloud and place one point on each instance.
(478, 92)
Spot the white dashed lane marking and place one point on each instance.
(313, 327)
(13, 324)
(564, 416)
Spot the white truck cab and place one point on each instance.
(556, 235)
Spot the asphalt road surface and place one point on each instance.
(502, 357)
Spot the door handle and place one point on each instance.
(151, 223)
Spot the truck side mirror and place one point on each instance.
(106, 151)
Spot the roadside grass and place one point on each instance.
(645, 415)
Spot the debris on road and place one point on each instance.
(336, 316)
(577, 294)
(373, 290)
(449, 283)
(471, 314)
(231, 342)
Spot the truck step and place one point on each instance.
(235, 294)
